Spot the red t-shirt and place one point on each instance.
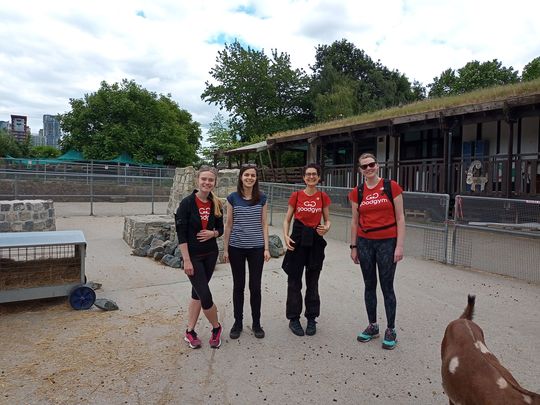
(376, 210)
(308, 209)
(204, 211)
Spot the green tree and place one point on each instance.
(44, 151)
(531, 70)
(220, 138)
(9, 145)
(261, 94)
(341, 65)
(124, 117)
(474, 75)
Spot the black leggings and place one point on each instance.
(203, 267)
(373, 254)
(255, 259)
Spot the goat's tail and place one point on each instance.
(469, 310)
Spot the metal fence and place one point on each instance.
(426, 217)
(89, 187)
(90, 167)
(498, 235)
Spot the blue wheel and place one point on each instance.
(82, 297)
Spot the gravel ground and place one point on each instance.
(51, 354)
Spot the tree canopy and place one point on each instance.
(126, 118)
(261, 94)
(220, 138)
(346, 81)
(10, 147)
(474, 75)
(531, 70)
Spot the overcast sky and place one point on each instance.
(51, 51)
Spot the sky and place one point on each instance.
(51, 51)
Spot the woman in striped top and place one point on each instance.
(246, 239)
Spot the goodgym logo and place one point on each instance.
(309, 206)
(204, 213)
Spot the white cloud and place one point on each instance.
(53, 51)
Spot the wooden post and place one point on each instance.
(447, 138)
(354, 174)
(509, 162)
(396, 155)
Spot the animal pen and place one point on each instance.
(37, 265)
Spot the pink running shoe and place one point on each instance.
(192, 339)
(215, 339)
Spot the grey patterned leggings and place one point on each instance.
(373, 254)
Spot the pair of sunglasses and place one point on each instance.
(370, 165)
(250, 165)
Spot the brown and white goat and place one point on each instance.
(471, 374)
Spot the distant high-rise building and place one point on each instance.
(19, 128)
(51, 130)
(38, 140)
(4, 125)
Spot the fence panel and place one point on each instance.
(498, 235)
(94, 189)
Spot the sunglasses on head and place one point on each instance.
(251, 165)
(370, 165)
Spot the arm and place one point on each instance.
(188, 266)
(400, 221)
(227, 232)
(354, 231)
(323, 229)
(265, 232)
(181, 219)
(286, 224)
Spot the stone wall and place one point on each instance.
(27, 216)
(184, 183)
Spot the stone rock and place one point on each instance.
(275, 245)
(106, 304)
(158, 256)
(141, 251)
(168, 247)
(172, 261)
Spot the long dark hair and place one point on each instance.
(255, 194)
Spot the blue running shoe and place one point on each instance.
(371, 332)
(390, 339)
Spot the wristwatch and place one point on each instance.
(352, 246)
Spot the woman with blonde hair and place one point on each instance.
(199, 221)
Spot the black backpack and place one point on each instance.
(387, 189)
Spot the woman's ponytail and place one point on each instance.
(218, 207)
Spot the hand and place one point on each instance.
(398, 254)
(289, 243)
(225, 256)
(354, 256)
(205, 234)
(188, 268)
(322, 229)
(267, 255)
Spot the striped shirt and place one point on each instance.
(247, 231)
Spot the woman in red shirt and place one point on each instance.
(377, 237)
(305, 248)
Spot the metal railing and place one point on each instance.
(496, 235)
(83, 187)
